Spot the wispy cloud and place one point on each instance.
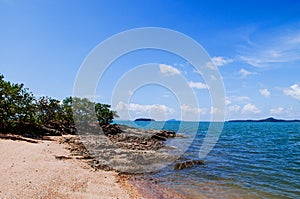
(273, 49)
(198, 85)
(265, 92)
(168, 70)
(293, 91)
(245, 73)
(220, 61)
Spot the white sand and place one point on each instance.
(30, 170)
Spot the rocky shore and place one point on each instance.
(122, 148)
(127, 150)
(117, 148)
(130, 151)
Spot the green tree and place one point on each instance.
(67, 110)
(17, 105)
(49, 110)
(85, 110)
(104, 114)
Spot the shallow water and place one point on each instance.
(250, 160)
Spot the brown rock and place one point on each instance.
(187, 164)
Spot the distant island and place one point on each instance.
(173, 120)
(270, 119)
(144, 120)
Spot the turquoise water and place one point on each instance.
(250, 160)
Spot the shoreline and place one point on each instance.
(151, 188)
(31, 168)
(70, 156)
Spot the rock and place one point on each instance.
(158, 137)
(163, 135)
(122, 148)
(136, 139)
(167, 134)
(111, 129)
(187, 164)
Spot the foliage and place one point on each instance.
(83, 110)
(88, 111)
(104, 114)
(18, 106)
(52, 110)
(49, 110)
(67, 111)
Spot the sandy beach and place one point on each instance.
(32, 169)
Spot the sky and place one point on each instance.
(255, 46)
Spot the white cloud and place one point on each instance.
(227, 102)
(168, 70)
(238, 99)
(281, 48)
(130, 92)
(140, 108)
(234, 108)
(211, 66)
(198, 85)
(250, 108)
(220, 61)
(276, 111)
(214, 110)
(265, 92)
(244, 73)
(195, 110)
(293, 91)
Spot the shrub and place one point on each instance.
(17, 105)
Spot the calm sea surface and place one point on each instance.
(250, 160)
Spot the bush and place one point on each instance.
(86, 111)
(17, 105)
(104, 114)
(49, 110)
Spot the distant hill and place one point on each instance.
(144, 120)
(270, 119)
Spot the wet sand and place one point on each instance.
(150, 188)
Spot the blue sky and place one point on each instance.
(255, 45)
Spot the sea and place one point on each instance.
(249, 160)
